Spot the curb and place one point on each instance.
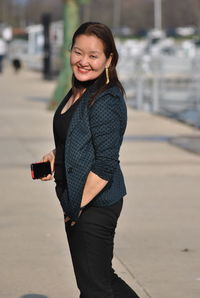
(125, 274)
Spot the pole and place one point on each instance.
(156, 85)
(46, 21)
(158, 14)
(116, 14)
(70, 23)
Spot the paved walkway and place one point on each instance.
(157, 243)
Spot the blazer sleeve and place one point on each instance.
(105, 125)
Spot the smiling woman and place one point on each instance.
(88, 60)
(89, 125)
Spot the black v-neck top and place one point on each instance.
(60, 128)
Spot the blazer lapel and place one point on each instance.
(80, 112)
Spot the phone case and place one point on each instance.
(40, 169)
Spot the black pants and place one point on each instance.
(91, 247)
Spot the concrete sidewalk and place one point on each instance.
(157, 242)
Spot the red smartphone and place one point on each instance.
(40, 169)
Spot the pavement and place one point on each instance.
(157, 243)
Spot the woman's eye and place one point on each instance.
(93, 57)
(77, 53)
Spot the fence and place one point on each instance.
(163, 83)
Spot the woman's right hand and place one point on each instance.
(51, 158)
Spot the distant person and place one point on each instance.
(3, 49)
(89, 125)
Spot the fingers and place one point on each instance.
(67, 219)
(52, 165)
(47, 178)
(48, 157)
(45, 159)
(74, 222)
(51, 158)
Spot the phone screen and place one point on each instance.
(40, 170)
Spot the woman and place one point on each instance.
(89, 125)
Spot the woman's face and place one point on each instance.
(87, 58)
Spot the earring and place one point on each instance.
(107, 76)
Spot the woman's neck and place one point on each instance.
(78, 93)
(80, 87)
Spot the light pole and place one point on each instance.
(158, 14)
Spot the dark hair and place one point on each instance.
(105, 35)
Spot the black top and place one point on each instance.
(60, 128)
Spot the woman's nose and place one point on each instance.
(83, 61)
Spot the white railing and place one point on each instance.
(161, 83)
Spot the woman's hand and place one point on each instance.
(51, 158)
(67, 218)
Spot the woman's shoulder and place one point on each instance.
(113, 91)
(112, 96)
(109, 100)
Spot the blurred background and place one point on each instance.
(157, 243)
(158, 43)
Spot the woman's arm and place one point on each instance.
(94, 184)
(106, 138)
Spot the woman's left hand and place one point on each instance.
(66, 219)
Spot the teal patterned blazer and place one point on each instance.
(92, 144)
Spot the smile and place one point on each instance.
(83, 70)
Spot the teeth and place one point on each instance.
(84, 69)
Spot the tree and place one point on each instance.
(71, 21)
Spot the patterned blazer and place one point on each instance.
(92, 144)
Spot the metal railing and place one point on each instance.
(163, 83)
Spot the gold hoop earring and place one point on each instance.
(107, 76)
